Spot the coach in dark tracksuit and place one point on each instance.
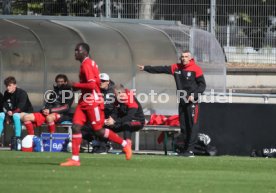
(128, 116)
(189, 83)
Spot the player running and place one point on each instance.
(90, 107)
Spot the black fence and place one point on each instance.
(246, 29)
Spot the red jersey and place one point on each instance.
(89, 84)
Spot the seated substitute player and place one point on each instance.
(16, 104)
(56, 109)
(107, 89)
(128, 116)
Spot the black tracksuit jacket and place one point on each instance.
(129, 111)
(17, 102)
(60, 105)
(187, 77)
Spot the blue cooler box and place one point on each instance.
(55, 143)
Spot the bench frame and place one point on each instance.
(147, 128)
(161, 128)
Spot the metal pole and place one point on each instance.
(107, 9)
(213, 17)
(228, 37)
(68, 4)
(191, 42)
(194, 22)
(137, 141)
(266, 99)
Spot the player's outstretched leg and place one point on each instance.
(126, 144)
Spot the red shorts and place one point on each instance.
(40, 118)
(95, 116)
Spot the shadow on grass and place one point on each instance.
(42, 163)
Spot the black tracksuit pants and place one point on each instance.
(128, 128)
(189, 124)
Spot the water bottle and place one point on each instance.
(18, 143)
(69, 147)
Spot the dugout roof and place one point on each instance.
(36, 49)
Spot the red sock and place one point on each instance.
(30, 128)
(111, 136)
(52, 127)
(76, 141)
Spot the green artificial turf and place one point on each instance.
(22, 172)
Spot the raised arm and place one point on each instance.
(156, 69)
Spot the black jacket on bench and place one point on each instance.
(17, 102)
(129, 111)
(60, 105)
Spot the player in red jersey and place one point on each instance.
(90, 107)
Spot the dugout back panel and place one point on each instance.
(237, 129)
